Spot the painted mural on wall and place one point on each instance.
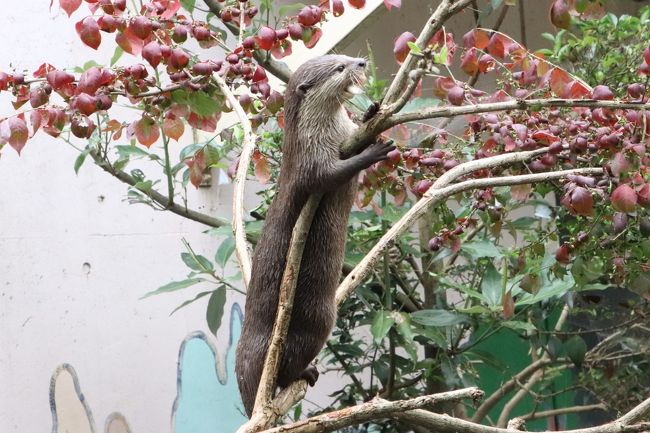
(207, 399)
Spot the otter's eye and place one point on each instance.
(340, 68)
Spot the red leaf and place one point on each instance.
(401, 48)
(283, 48)
(129, 42)
(498, 46)
(35, 118)
(643, 195)
(624, 198)
(508, 305)
(521, 192)
(559, 13)
(172, 7)
(69, 6)
(208, 124)
(559, 81)
(476, 38)
(582, 203)
(88, 31)
(392, 3)
(146, 131)
(14, 130)
(619, 164)
(313, 40)
(469, 62)
(90, 81)
(262, 169)
(173, 127)
(197, 166)
(563, 255)
(59, 79)
(43, 70)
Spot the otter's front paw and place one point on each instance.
(378, 151)
(371, 111)
(310, 374)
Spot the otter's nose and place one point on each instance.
(361, 63)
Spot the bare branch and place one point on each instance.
(248, 146)
(515, 104)
(504, 389)
(439, 191)
(264, 411)
(162, 199)
(375, 409)
(446, 424)
(562, 411)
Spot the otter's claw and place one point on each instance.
(310, 374)
(371, 111)
(378, 151)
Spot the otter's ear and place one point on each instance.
(303, 87)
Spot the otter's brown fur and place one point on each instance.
(316, 124)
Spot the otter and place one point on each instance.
(315, 125)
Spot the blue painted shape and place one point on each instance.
(208, 399)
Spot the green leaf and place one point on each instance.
(586, 271)
(197, 262)
(414, 48)
(189, 301)
(188, 5)
(173, 286)
(214, 314)
(381, 324)
(482, 248)
(518, 325)
(116, 55)
(524, 223)
(554, 347)
(576, 349)
(491, 286)
(438, 318)
(127, 151)
(224, 251)
(80, 160)
(549, 289)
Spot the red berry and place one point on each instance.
(266, 36)
(201, 33)
(178, 59)
(180, 33)
(310, 15)
(141, 27)
(152, 53)
(295, 31)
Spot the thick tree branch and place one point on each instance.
(264, 411)
(275, 67)
(248, 146)
(446, 424)
(515, 104)
(372, 410)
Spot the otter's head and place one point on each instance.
(327, 80)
